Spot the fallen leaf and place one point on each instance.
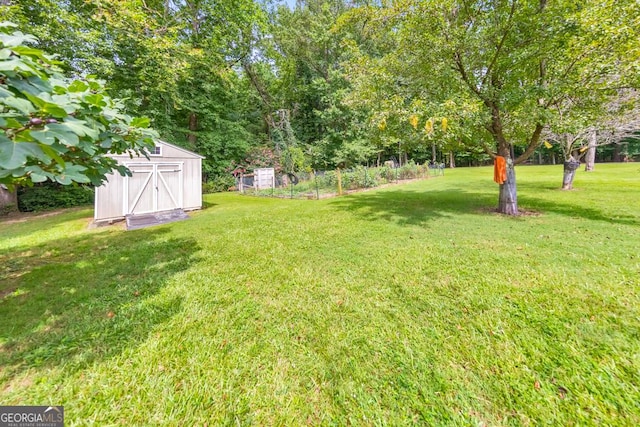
(562, 392)
(536, 385)
(110, 314)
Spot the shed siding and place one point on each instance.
(109, 198)
(192, 193)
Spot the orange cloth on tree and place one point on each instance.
(500, 169)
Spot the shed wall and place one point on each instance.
(109, 198)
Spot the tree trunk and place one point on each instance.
(616, 153)
(570, 167)
(452, 160)
(508, 200)
(433, 152)
(590, 158)
(193, 127)
(8, 200)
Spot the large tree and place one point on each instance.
(583, 125)
(173, 61)
(517, 60)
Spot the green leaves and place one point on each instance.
(14, 154)
(17, 39)
(21, 105)
(140, 122)
(53, 128)
(78, 86)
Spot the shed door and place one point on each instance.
(169, 186)
(153, 188)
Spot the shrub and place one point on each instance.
(411, 170)
(50, 195)
(329, 179)
(219, 184)
(387, 174)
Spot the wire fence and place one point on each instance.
(323, 184)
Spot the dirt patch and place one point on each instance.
(18, 384)
(6, 292)
(18, 217)
(522, 212)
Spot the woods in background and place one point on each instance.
(338, 83)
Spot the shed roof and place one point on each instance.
(189, 154)
(179, 148)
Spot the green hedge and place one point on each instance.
(218, 184)
(48, 195)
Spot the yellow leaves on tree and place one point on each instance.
(383, 124)
(445, 122)
(414, 121)
(428, 127)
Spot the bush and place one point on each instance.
(219, 184)
(387, 174)
(51, 195)
(409, 170)
(328, 179)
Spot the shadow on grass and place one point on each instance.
(417, 208)
(207, 205)
(74, 301)
(576, 211)
(413, 207)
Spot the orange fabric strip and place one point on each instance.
(499, 169)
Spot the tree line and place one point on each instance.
(337, 83)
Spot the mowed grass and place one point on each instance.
(413, 304)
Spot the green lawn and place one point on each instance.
(412, 304)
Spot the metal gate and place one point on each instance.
(153, 188)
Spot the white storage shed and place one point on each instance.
(170, 179)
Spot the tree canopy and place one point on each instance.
(55, 128)
(342, 82)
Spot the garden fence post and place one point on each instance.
(339, 176)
